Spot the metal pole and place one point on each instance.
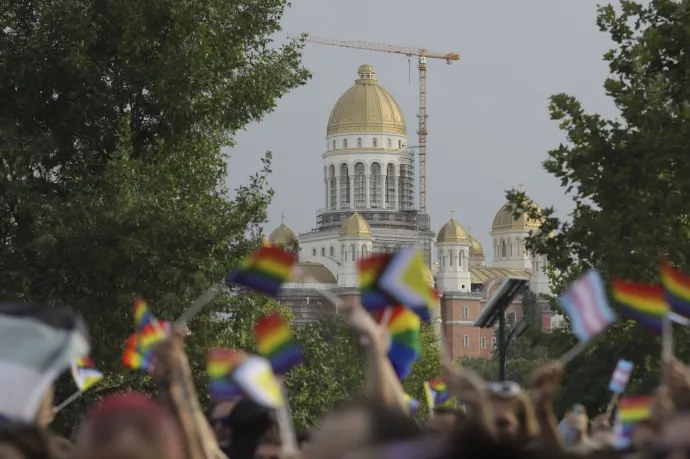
(502, 345)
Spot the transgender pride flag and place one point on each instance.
(586, 305)
(621, 376)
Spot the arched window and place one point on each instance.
(465, 312)
(451, 257)
(375, 186)
(510, 245)
(405, 195)
(359, 143)
(390, 185)
(390, 143)
(493, 343)
(360, 186)
(353, 252)
(518, 247)
(482, 343)
(375, 142)
(332, 180)
(313, 252)
(323, 251)
(504, 249)
(365, 251)
(334, 144)
(332, 251)
(343, 254)
(461, 259)
(466, 341)
(344, 143)
(399, 144)
(344, 186)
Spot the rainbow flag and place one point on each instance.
(265, 270)
(677, 288)
(438, 391)
(631, 410)
(276, 343)
(646, 304)
(142, 314)
(412, 404)
(403, 327)
(397, 279)
(138, 350)
(220, 363)
(85, 374)
(258, 382)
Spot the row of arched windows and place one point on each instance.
(508, 248)
(374, 143)
(350, 254)
(482, 342)
(382, 190)
(451, 258)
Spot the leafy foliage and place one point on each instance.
(112, 175)
(628, 178)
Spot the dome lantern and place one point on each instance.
(355, 226)
(366, 107)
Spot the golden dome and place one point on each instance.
(366, 107)
(504, 219)
(476, 248)
(452, 232)
(282, 235)
(429, 275)
(356, 226)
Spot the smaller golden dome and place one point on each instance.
(452, 232)
(282, 235)
(355, 226)
(476, 248)
(429, 275)
(504, 219)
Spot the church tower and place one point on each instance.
(453, 245)
(356, 242)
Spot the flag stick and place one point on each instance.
(573, 352)
(612, 404)
(201, 301)
(287, 429)
(69, 400)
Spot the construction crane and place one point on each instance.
(422, 55)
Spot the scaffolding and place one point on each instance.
(305, 303)
(407, 185)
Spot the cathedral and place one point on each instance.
(369, 207)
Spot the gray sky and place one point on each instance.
(488, 123)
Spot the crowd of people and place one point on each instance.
(498, 419)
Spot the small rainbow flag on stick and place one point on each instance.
(142, 314)
(265, 270)
(645, 304)
(276, 343)
(412, 404)
(139, 348)
(85, 373)
(403, 326)
(438, 391)
(677, 288)
(220, 363)
(631, 410)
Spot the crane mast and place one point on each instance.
(422, 116)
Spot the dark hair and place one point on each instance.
(389, 424)
(31, 441)
(303, 436)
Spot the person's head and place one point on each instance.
(445, 421)
(304, 441)
(24, 441)
(513, 413)
(220, 422)
(269, 448)
(577, 418)
(601, 422)
(130, 425)
(248, 423)
(358, 425)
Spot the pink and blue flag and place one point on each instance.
(585, 304)
(621, 376)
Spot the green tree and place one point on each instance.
(112, 176)
(426, 368)
(628, 179)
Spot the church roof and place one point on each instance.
(314, 273)
(452, 232)
(366, 107)
(476, 249)
(356, 226)
(504, 217)
(482, 275)
(282, 235)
